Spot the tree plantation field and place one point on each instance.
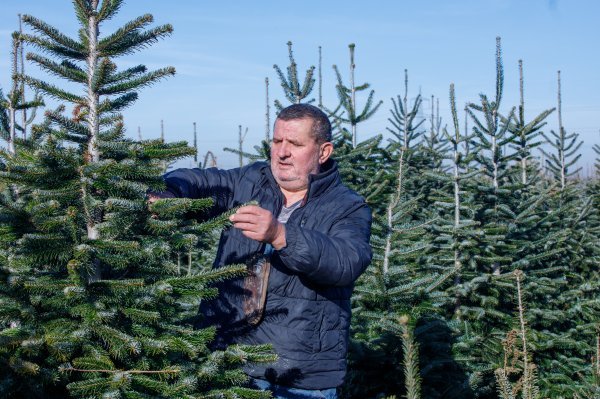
(485, 278)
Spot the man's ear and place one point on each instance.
(325, 151)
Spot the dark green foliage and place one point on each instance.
(94, 302)
(397, 293)
(469, 219)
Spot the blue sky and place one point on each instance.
(224, 50)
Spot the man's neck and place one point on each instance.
(291, 197)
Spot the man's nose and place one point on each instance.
(283, 150)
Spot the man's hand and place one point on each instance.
(153, 197)
(259, 224)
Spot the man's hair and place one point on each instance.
(321, 128)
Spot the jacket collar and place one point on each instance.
(328, 176)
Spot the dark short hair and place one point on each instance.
(321, 129)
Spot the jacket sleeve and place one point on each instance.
(203, 183)
(336, 258)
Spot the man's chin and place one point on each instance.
(284, 175)
(290, 183)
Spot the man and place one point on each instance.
(305, 243)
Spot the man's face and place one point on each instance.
(295, 153)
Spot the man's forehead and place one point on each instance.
(294, 126)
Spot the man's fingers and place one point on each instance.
(248, 212)
(243, 217)
(244, 226)
(155, 196)
(256, 223)
(250, 209)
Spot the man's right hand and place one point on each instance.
(259, 224)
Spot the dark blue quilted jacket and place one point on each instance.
(307, 311)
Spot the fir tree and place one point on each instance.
(482, 312)
(14, 309)
(526, 137)
(346, 111)
(435, 145)
(363, 165)
(293, 92)
(454, 247)
(572, 310)
(108, 312)
(406, 128)
(290, 82)
(394, 300)
(426, 151)
(566, 146)
(15, 101)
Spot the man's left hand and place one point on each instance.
(259, 224)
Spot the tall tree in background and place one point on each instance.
(396, 299)
(346, 111)
(526, 137)
(15, 101)
(566, 146)
(481, 310)
(454, 240)
(573, 308)
(294, 92)
(423, 152)
(106, 310)
(363, 165)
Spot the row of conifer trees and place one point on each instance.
(485, 278)
(485, 281)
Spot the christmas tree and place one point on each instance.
(104, 309)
